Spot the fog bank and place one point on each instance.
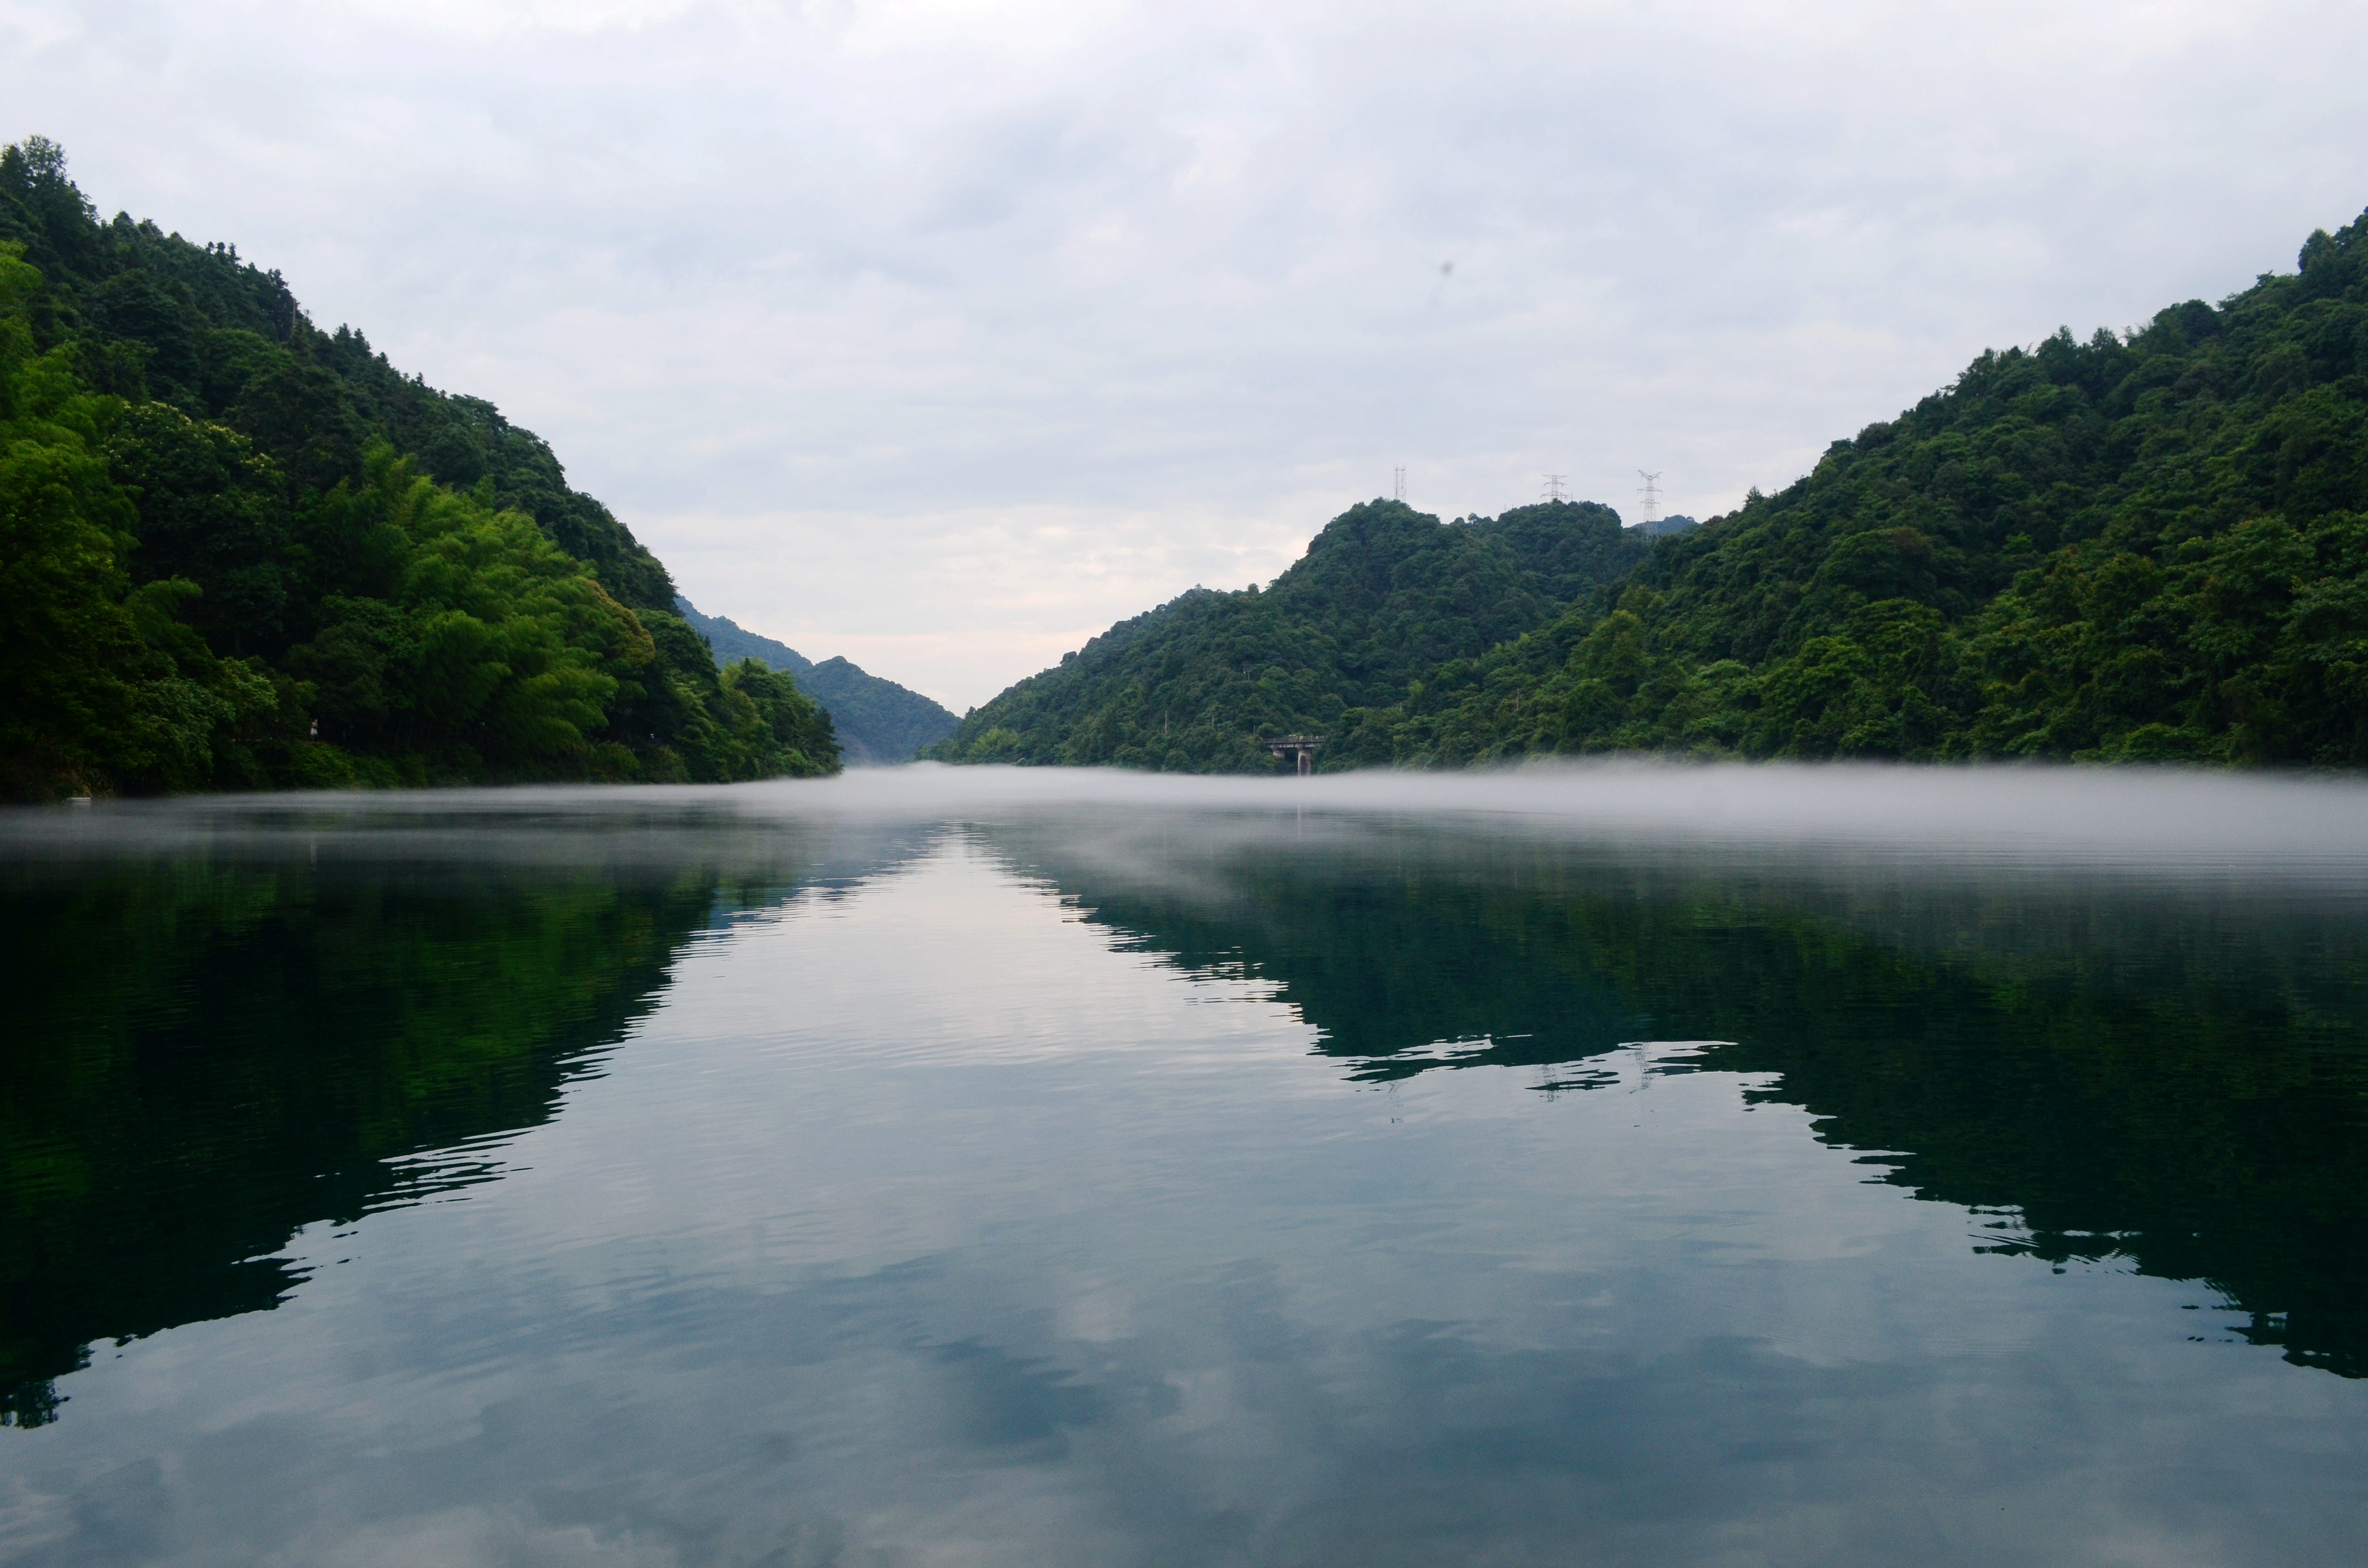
(2053, 813)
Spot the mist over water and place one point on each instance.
(2133, 813)
(1607, 1164)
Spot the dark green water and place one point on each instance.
(915, 1171)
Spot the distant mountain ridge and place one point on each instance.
(1384, 596)
(879, 723)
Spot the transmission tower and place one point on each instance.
(1650, 490)
(1554, 491)
(1399, 483)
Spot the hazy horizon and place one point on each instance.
(2156, 818)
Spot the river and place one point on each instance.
(1601, 1165)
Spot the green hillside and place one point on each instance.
(882, 722)
(1384, 595)
(878, 722)
(733, 642)
(2143, 546)
(239, 553)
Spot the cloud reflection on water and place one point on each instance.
(919, 1219)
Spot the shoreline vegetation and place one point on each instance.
(2149, 546)
(238, 553)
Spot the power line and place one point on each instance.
(1554, 491)
(1649, 490)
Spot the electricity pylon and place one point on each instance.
(1652, 495)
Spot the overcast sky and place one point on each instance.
(942, 333)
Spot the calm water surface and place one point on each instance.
(1621, 1168)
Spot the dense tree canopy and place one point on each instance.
(2143, 546)
(2150, 545)
(878, 722)
(1383, 595)
(236, 551)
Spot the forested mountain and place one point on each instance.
(1384, 595)
(2142, 546)
(239, 553)
(878, 722)
(733, 642)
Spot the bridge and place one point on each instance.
(1300, 749)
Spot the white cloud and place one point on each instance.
(831, 300)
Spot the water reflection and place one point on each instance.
(223, 1038)
(1077, 1182)
(2169, 1069)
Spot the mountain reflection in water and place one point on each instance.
(2170, 1070)
(224, 1041)
(1010, 1169)
(274, 1054)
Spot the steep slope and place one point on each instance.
(236, 551)
(1384, 594)
(883, 722)
(878, 722)
(733, 642)
(2142, 546)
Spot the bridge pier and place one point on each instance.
(1299, 749)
